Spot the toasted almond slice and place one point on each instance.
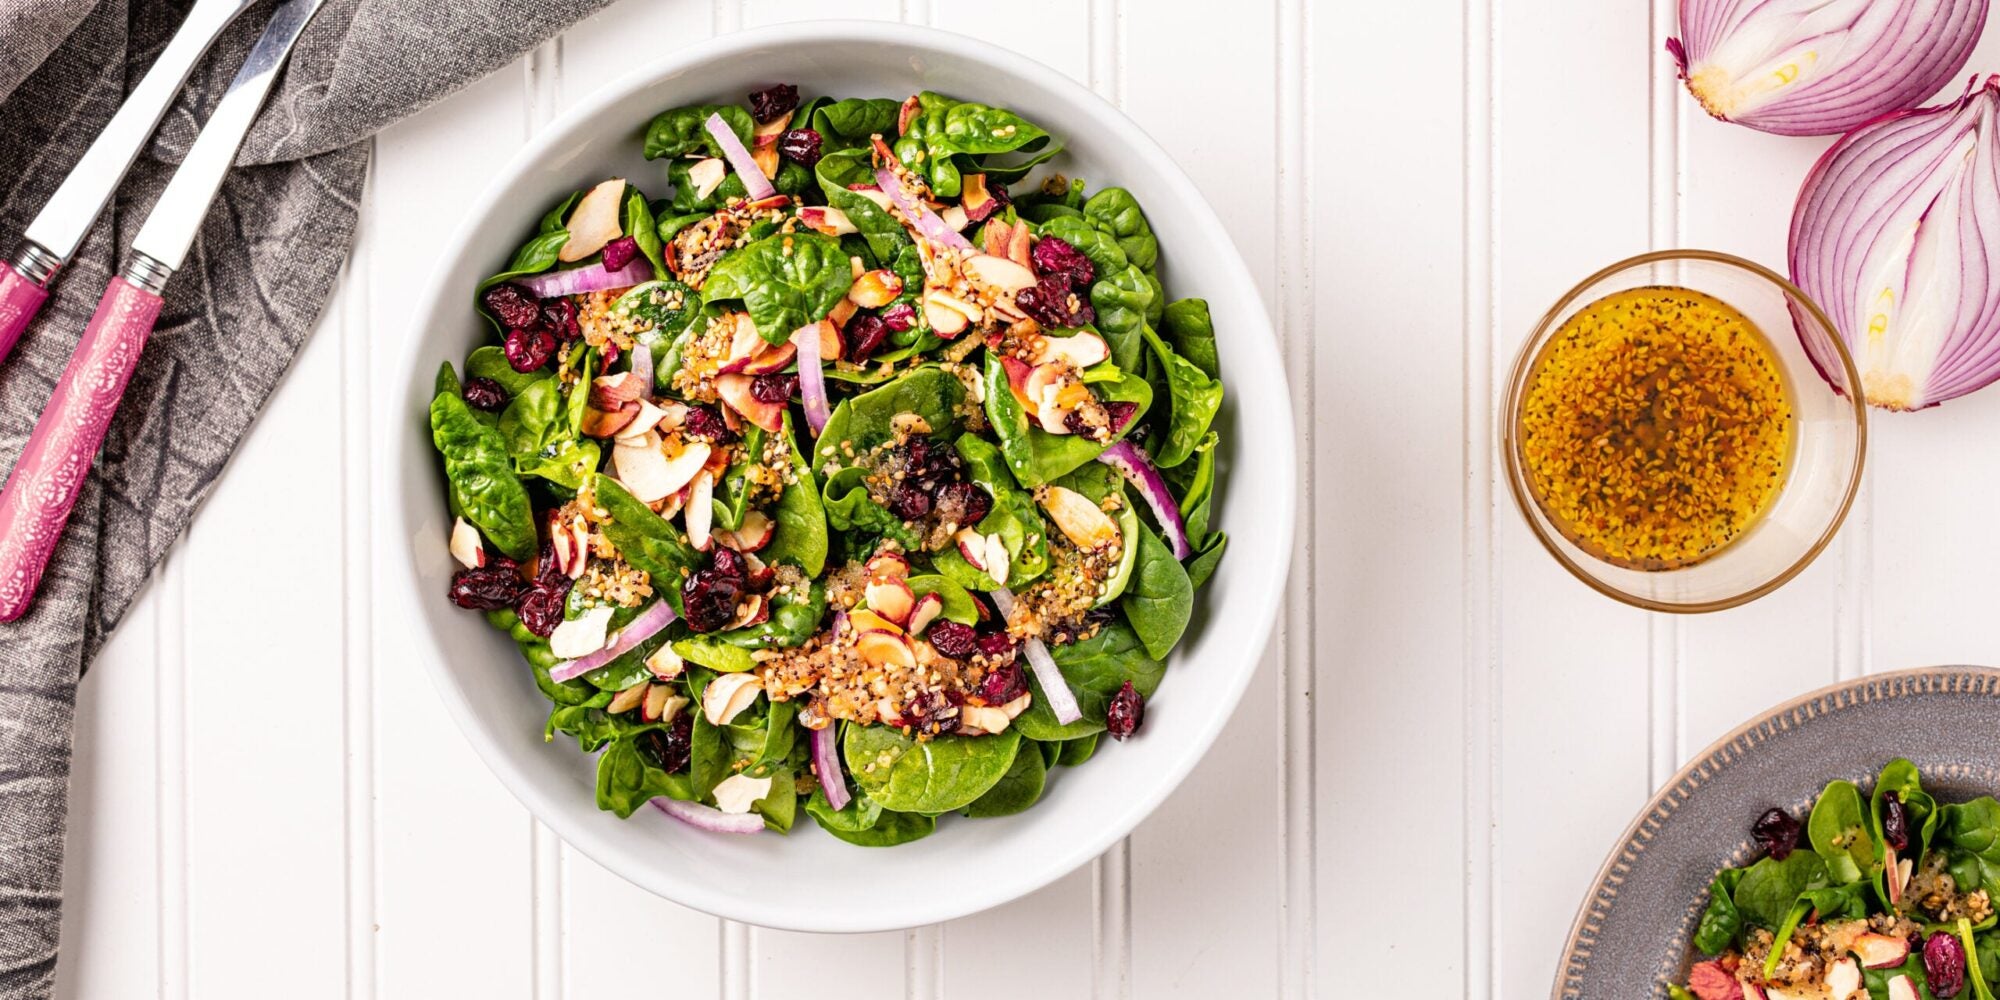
(972, 545)
(701, 511)
(581, 636)
(875, 289)
(891, 599)
(766, 158)
(1079, 350)
(998, 272)
(706, 175)
(728, 695)
(648, 417)
(665, 663)
(748, 612)
(656, 701)
(865, 620)
(978, 720)
(1083, 522)
(884, 650)
(1018, 705)
(888, 566)
(630, 698)
(997, 559)
(594, 221)
(737, 793)
(465, 544)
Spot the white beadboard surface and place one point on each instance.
(1444, 739)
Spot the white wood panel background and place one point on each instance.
(1424, 775)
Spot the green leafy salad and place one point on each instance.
(841, 479)
(1886, 894)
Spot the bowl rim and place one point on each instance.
(1256, 342)
(1723, 752)
(1517, 380)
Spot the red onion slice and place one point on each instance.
(649, 622)
(826, 760)
(1821, 68)
(919, 214)
(812, 377)
(1896, 236)
(577, 280)
(1061, 700)
(1132, 464)
(754, 182)
(703, 817)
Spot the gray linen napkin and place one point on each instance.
(253, 288)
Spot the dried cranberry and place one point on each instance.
(619, 252)
(963, 503)
(773, 389)
(1778, 832)
(709, 596)
(1003, 684)
(729, 563)
(487, 588)
(512, 305)
(1056, 257)
(529, 348)
(671, 748)
(609, 354)
(485, 394)
(1074, 423)
(706, 423)
(909, 502)
(541, 606)
(930, 712)
(800, 145)
(1051, 303)
(953, 639)
(559, 315)
(1944, 964)
(772, 101)
(865, 332)
(996, 644)
(1121, 413)
(900, 316)
(1895, 822)
(1126, 712)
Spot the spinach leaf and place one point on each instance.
(672, 225)
(932, 776)
(491, 362)
(849, 508)
(786, 281)
(1838, 831)
(800, 538)
(626, 780)
(1768, 889)
(1095, 669)
(715, 654)
(865, 823)
(999, 171)
(1197, 489)
(793, 620)
(1969, 834)
(1035, 456)
(481, 478)
(966, 127)
(958, 606)
(1202, 566)
(1159, 600)
(640, 225)
(681, 131)
(1900, 777)
(1013, 518)
(689, 202)
(1078, 750)
(885, 237)
(541, 660)
(446, 382)
(850, 122)
(1877, 980)
(1114, 211)
(1721, 923)
(647, 540)
(732, 494)
(1051, 752)
(1191, 331)
(1193, 399)
(779, 806)
(862, 422)
(1017, 789)
(542, 437)
(533, 257)
(1121, 299)
(1105, 255)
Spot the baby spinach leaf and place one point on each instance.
(1078, 750)
(1900, 777)
(779, 806)
(958, 606)
(1721, 923)
(786, 281)
(688, 201)
(1838, 831)
(1193, 399)
(491, 362)
(446, 383)
(1159, 600)
(864, 823)
(932, 776)
(967, 127)
(1007, 170)
(793, 620)
(647, 540)
(541, 437)
(681, 131)
(640, 225)
(1202, 565)
(533, 257)
(714, 653)
(481, 478)
(1095, 669)
(1768, 889)
(1114, 211)
(885, 237)
(1197, 488)
(1188, 327)
(732, 494)
(1877, 980)
(541, 660)
(1106, 256)
(850, 122)
(849, 508)
(1035, 456)
(626, 780)
(1018, 789)
(800, 538)
(862, 422)
(1969, 833)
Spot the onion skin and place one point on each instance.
(1766, 65)
(1896, 236)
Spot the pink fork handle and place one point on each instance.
(36, 503)
(20, 300)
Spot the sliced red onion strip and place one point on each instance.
(577, 280)
(920, 215)
(703, 817)
(812, 377)
(1061, 700)
(826, 760)
(754, 182)
(1897, 237)
(1132, 464)
(657, 616)
(642, 365)
(1820, 68)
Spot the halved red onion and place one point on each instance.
(754, 182)
(1821, 68)
(713, 820)
(1897, 236)
(649, 622)
(577, 280)
(826, 760)
(642, 365)
(1133, 465)
(1062, 701)
(919, 214)
(812, 377)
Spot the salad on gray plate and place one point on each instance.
(843, 477)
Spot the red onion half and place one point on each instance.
(577, 280)
(754, 182)
(1062, 701)
(1132, 464)
(826, 761)
(1821, 67)
(713, 820)
(1897, 236)
(812, 379)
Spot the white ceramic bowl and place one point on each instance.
(808, 880)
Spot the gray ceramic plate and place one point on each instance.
(1631, 935)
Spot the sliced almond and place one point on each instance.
(465, 544)
(648, 417)
(701, 511)
(1082, 521)
(998, 272)
(866, 620)
(1079, 350)
(629, 699)
(972, 545)
(875, 289)
(825, 220)
(884, 650)
(945, 314)
(928, 608)
(581, 636)
(656, 700)
(979, 720)
(728, 695)
(1018, 705)
(737, 793)
(954, 217)
(891, 599)
(665, 663)
(766, 158)
(888, 566)
(749, 612)
(594, 221)
(997, 559)
(706, 175)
